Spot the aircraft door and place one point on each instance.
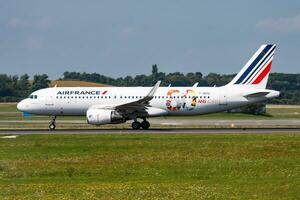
(49, 99)
(223, 96)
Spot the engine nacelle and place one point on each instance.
(102, 116)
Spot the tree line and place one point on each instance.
(14, 88)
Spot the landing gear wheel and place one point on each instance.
(136, 125)
(52, 123)
(52, 126)
(145, 124)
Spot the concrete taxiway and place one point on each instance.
(156, 131)
(171, 122)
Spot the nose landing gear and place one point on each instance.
(52, 125)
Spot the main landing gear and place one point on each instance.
(137, 125)
(52, 123)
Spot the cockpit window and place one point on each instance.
(33, 96)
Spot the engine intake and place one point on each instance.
(103, 116)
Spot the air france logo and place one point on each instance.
(77, 92)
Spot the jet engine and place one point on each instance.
(102, 116)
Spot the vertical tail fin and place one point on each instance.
(256, 70)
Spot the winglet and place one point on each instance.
(196, 84)
(153, 90)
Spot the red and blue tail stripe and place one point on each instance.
(259, 66)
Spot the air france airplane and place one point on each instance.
(112, 105)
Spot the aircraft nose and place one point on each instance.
(21, 106)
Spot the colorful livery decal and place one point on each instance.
(172, 103)
(177, 100)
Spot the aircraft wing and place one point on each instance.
(139, 105)
(134, 106)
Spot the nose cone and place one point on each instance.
(21, 106)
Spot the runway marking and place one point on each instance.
(9, 137)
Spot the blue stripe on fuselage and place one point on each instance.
(253, 64)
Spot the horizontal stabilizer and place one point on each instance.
(257, 94)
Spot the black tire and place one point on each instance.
(145, 125)
(136, 125)
(52, 126)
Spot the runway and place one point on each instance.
(156, 131)
(176, 122)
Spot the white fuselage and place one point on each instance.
(167, 100)
(106, 105)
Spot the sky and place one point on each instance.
(125, 37)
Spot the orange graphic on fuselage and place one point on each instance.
(172, 105)
(187, 101)
(193, 94)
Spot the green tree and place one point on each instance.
(6, 85)
(39, 82)
(23, 85)
(154, 70)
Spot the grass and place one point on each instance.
(8, 107)
(231, 166)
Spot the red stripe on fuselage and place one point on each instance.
(103, 93)
(263, 74)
